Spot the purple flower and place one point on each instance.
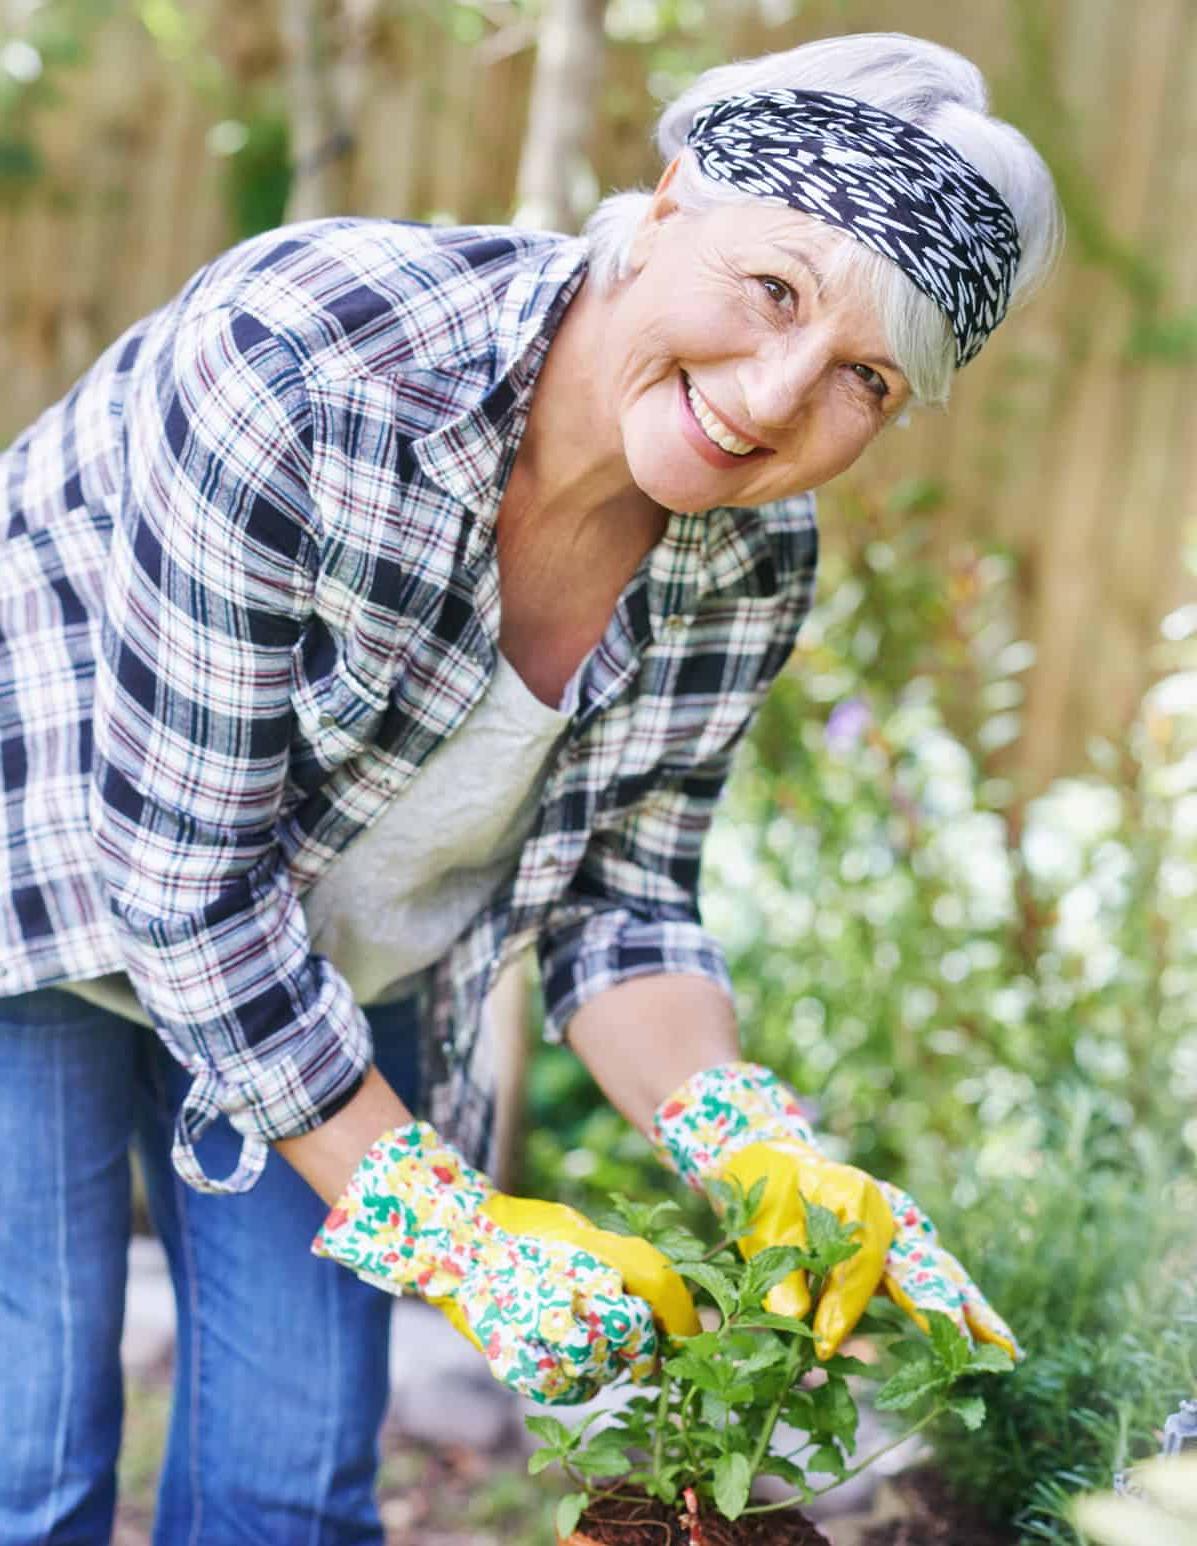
(847, 723)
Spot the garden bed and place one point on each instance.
(918, 1509)
(615, 1522)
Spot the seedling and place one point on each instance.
(706, 1434)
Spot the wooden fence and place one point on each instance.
(1066, 444)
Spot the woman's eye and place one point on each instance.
(873, 379)
(775, 288)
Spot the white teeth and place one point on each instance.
(716, 429)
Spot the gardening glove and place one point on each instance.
(739, 1122)
(557, 1306)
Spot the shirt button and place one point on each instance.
(328, 721)
(675, 622)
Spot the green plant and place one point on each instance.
(707, 1432)
(1096, 1265)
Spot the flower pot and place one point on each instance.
(646, 1522)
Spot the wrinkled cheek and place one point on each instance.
(844, 448)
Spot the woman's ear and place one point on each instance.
(662, 206)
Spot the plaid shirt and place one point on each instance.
(249, 581)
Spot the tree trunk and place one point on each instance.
(553, 192)
(555, 186)
(322, 141)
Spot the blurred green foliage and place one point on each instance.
(1096, 1249)
(256, 178)
(990, 1002)
(36, 57)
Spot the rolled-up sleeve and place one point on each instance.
(632, 910)
(214, 559)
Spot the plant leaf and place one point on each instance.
(841, 1363)
(799, 1409)
(569, 1511)
(679, 1243)
(985, 1358)
(760, 1320)
(753, 1201)
(732, 1479)
(781, 1465)
(710, 1278)
(702, 1372)
(769, 1352)
(914, 1380)
(951, 1346)
(827, 1239)
(826, 1459)
(970, 1410)
(769, 1267)
(624, 1217)
(664, 1487)
(601, 1460)
(553, 1432)
(884, 1320)
(725, 1195)
(835, 1410)
(541, 1460)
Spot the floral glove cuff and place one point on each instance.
(721, 1110)
(552, 1320)
(921, 1275)
(407, 1215)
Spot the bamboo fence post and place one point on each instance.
(560, 115)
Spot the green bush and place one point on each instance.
(1096, 1261)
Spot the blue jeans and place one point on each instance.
(281, 1361)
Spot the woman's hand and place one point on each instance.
(557, 1307)
(739, 1122)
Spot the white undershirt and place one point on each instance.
(398, 897)
(396, 901)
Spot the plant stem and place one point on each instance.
(762, 1444)
(659, 1434)
(595, 1495)
(768, 1508)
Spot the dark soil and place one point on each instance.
(616, 1522)
(935, 1518)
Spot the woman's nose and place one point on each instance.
(779, 383)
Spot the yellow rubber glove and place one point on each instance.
(738, 1121)
(792, 1171)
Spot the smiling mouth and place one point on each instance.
(713, 427)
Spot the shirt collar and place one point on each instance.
(470, 456)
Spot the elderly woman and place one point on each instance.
(392, 600)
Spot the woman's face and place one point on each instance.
(740, 375)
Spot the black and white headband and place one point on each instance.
(892, 186)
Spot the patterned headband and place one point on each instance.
(895, 188)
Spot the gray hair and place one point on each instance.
(925, 84)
